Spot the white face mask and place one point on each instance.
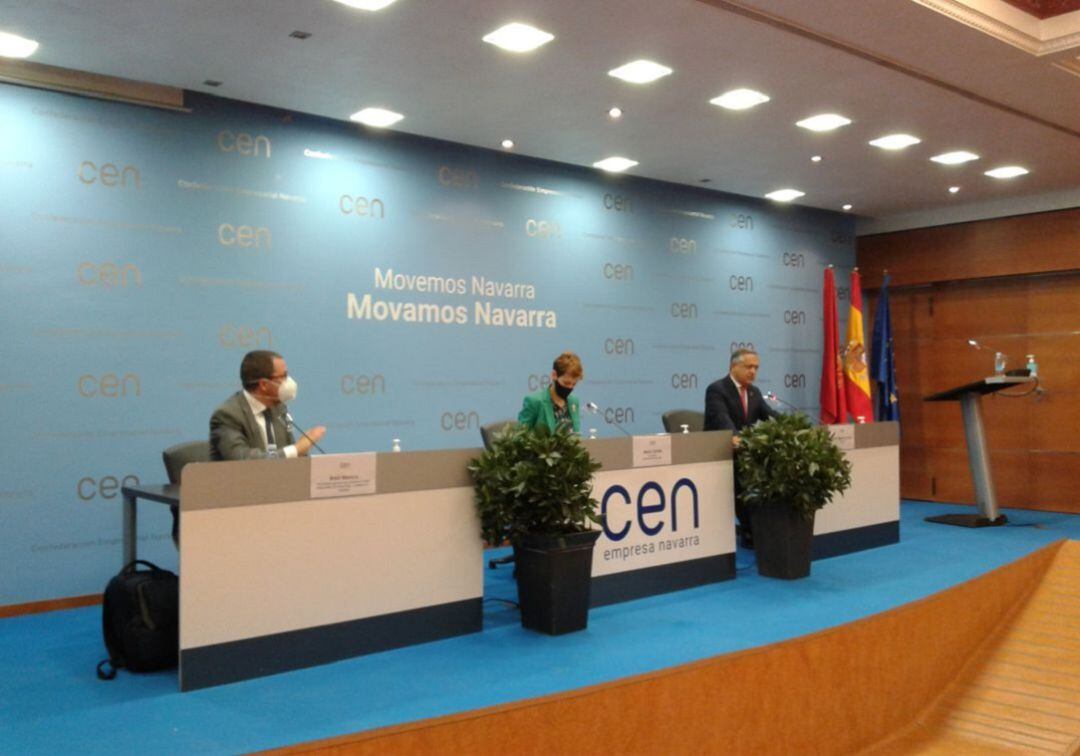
(287, 390)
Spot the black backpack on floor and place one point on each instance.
(140, 618)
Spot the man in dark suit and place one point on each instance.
(251, 424)
(732, 403)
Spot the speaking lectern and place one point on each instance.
(970, 398)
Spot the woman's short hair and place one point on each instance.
(569, 364)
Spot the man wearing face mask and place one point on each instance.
(554, 406)
(250, 424)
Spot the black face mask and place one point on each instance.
(561, 390)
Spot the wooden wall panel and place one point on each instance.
(970, 283)
(1055, 480)
(1019, 245)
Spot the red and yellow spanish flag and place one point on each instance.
(856, 374)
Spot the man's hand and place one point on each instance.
(304, 443)
(735, 441)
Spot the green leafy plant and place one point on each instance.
(787, 461)
(534, 480)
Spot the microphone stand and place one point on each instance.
(595, 410)
(290, 421)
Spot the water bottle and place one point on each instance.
(685, 428)
(396, 445)
(999, 363)
(1032, 366)
(592, 434)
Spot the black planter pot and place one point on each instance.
(783, 539)
(554, 575)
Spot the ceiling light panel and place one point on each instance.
(824, 122)
(1007, 172)
(640, 72)
(615, 164)
(14, 46)
(895, 141)
(367, 5)
(740, 99)
(785, 195)
(955, 158)
(518, 38)
(380, 118)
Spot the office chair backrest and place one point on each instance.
(175, 457)
(675, 419)
(490, 430)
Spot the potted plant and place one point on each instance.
(534, 488)
(787, 469)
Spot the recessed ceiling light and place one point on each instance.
(954, 158)
(895, 141)
(815, 158)
(785, 195)
(1007, 171)
(380, 118)
(615, 164)
(953, 189)
(508, 144)
(14, 46)
(740, 99)
(640, 72)
(824, 122)
(615, 112)
(367, 5)
(518, 38)
(847, 207)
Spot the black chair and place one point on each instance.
(490, 430)
(674, 420)
(175, 457)
(488, 433)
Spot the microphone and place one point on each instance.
(591, 407)
(772, 397)
(1000, 358)
(290, 421)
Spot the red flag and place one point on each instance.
(856, 375)
(833, 406)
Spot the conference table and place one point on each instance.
(286, 564)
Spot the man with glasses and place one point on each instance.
(251, 423)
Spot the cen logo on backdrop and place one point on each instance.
(109, 175)
(243, 143)
(109, 386)
(109, 275)
(257, 237)
(248, 337)
(106, 486)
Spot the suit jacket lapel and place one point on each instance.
(252, 422)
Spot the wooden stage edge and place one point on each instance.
(839, 690)
(50, 605)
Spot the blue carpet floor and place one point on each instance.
(51, 701)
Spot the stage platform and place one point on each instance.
(51, 701)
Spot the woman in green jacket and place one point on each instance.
(553, 406)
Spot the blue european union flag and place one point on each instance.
(882, 364)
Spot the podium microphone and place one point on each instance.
(591, 407)
(290, 421)
(1000, 358)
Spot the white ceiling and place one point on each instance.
(889, 65)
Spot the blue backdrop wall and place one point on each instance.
(416, 288)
